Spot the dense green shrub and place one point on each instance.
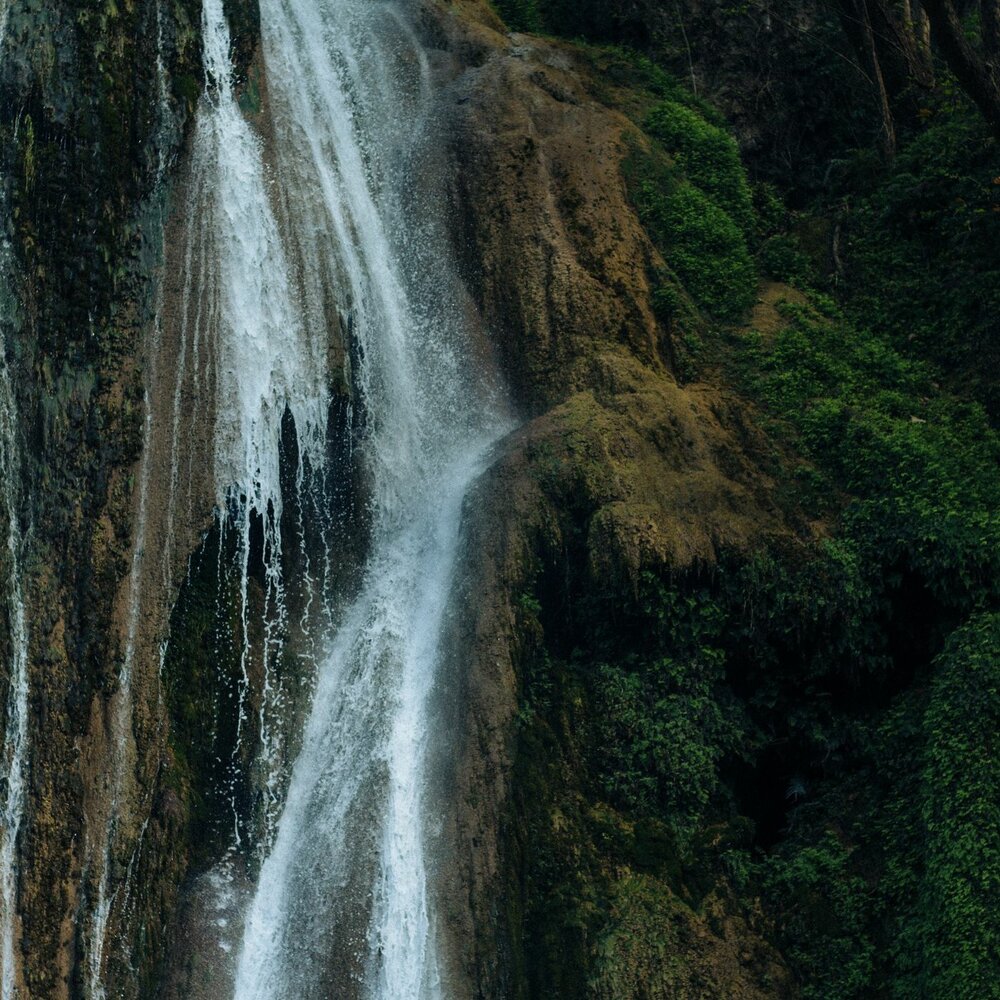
(923, 260)
(958, 936)
(781, 259)
(913, 476)
(823, 907)
(709, 157)
(663, 724)
(702, 244)
(888, 883)
(693, 198)
(922, 466)
(520, 15)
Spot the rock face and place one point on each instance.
(617, 469)
(85, 131)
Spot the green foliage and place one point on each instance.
(627, 78)
(799, 682)
(781, 259)
(660, 739)
(662, 726)
(691, 192)
(885, 889)
(923, 467)
(666, 301)
(823, 905)
(702, 244)
(924, 257)
(769, 208)
(519, 15)
(596, 20)
(693, 198)
(617, 775)
(890, 880)
(709, 157)
(830, 679)
(830, 705)
(958, 936)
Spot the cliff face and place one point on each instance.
(655, 475)
(655, 600)
(619, 471)
(705, 619)
(86, 130)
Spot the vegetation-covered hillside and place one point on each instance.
(791, 744)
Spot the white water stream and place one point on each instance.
(241, 344)
(263, 360)
(342, 907)
(336, 238)
(15, 738)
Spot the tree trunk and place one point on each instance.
(989, 15)
(875, 65)
(975, 71)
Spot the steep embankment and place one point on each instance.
(620, 471)
(738, 555)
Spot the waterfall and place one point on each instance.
(242, 363)
(15, 739)
(325, 241)
(342, 906)
(264, 363)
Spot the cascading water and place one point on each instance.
(332, 241)
(342, 907)
(242, 363)
(264, 364)
(15, 740)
